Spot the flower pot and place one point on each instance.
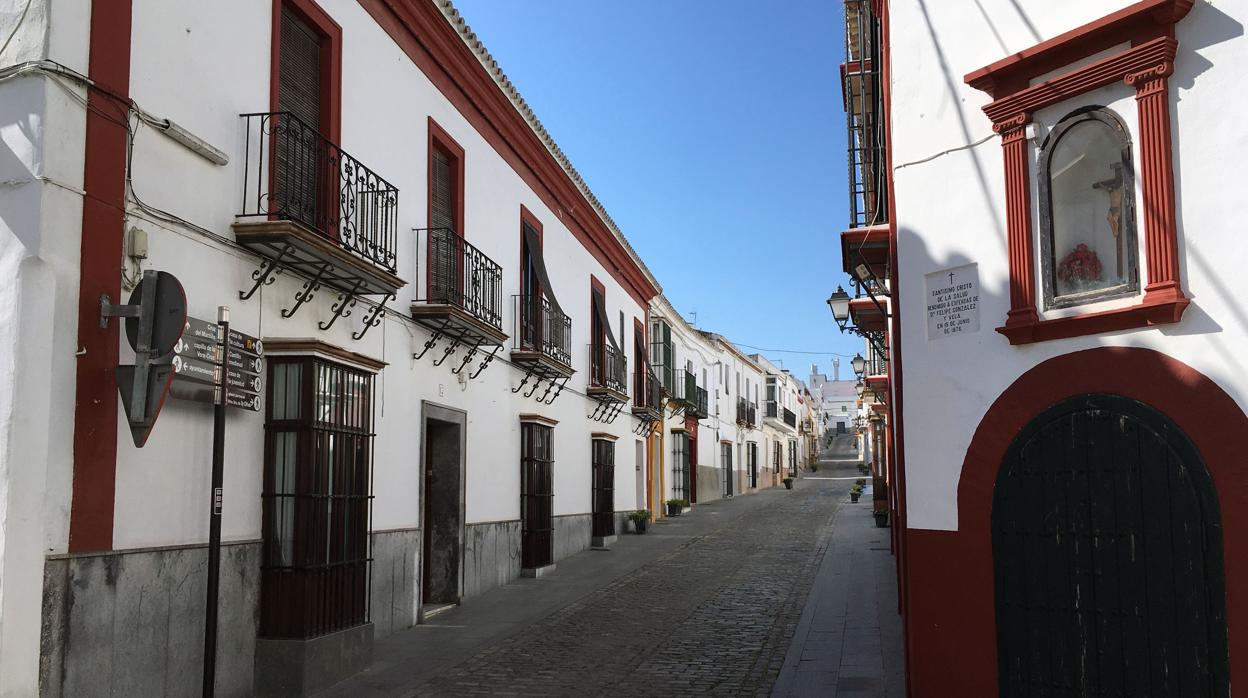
(881, 519)
(853, 496)
(639, 527)
(674, 509)
(788, 484)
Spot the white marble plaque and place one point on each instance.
(953, 301)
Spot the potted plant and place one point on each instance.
(639, 519)
(814, 467)
(788, 483)
(676, 506)
(855, 492)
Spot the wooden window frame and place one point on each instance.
(1044, 188)
(331, 61)
(534, 432)
(1146, 66)
(322, 585)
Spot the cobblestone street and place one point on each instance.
(715, 614)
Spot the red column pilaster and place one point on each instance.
(1152, 98)
(1018, 221)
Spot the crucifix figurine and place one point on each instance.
(1113, 187)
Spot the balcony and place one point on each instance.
(461, 301)
(310, 208)
(541, 339)
(862, 93)
(608, 374)
(747, 413)
(790, 418)
(647, 398)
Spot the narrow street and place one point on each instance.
(708, 603)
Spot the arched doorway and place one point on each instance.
(1107, 557)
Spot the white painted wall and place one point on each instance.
(385, 103)
(951, 212)
(41, 136)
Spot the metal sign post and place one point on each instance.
(214, 521)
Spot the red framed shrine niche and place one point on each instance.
(1147, 28)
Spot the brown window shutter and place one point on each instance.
(442, 213)
(299, 70)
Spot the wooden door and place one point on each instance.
(603, 495)
(1107, 552)
(536, 496)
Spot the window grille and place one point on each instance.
(316, 498)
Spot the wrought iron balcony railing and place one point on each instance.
(747, 412)
(291, 172)
(460, 275)
(700, 404)
(647, 390)
(773, 410)
(790, 418)
(863, 94)
(540, 327)
(608, 368)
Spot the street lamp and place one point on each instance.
(859, 364)
(839, 304)
(859, 388)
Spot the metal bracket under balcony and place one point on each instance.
(647, 400)
(461, 307)
(541, 348)
(608, 371)
(311, 209)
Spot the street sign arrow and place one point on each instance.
(243, 362)
(202, 329)
(202, 371)
(246, 401)
(242, 382)
(246, 343)
(196, 348)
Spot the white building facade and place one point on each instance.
(449, 321)
(1051, 212)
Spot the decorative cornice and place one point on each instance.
(1011, 128)
(1148, 56)
(1142, 21)
(538, 419)
(603, 436)
(1145, 81)
(290, 346)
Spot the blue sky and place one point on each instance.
(713, 132)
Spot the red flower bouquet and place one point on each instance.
(1081, 267)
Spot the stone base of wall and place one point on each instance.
(131, 623)
(572, 534)
(395, 580)
(302, 667)
(710, 484)
(491, 556)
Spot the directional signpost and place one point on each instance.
(191, 359)
(197, 369)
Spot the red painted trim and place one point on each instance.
(103, 226)
(956, 643)
(1151, 17)
(894, 427)
(441, 140)
(331, 57)
(1146, 66)
(866, 316)
(434, 46)
(1133, 317)
(872, 245)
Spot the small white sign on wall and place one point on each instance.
(953, 301)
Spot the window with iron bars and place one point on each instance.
(680, 465)
(316, 498)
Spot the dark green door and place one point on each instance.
(1107, 549)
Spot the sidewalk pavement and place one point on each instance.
(848, 641)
